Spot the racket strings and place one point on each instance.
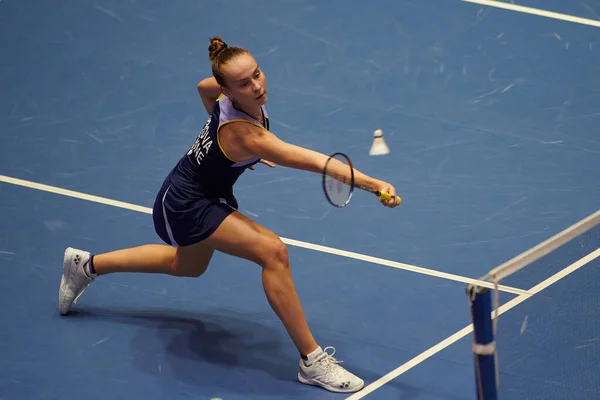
(338, 186)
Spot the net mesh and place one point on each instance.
(546, 345)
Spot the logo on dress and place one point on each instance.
(200, 148)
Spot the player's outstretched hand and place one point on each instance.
(385, 187)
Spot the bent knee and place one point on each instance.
(274, 254)
(191, 261)
(187, 271)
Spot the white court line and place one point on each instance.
(292, 242)
(469, 328)
(406, 267)
(536, 11)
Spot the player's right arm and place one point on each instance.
(253, 141)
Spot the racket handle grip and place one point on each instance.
(387, 196)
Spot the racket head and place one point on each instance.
(338, 188)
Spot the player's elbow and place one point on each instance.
(202, 86)
(265, 145)
(299, 158)
(209, 87)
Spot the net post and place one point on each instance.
(484, 345)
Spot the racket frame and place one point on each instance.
(351, 184)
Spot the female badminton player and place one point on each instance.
(195, 212)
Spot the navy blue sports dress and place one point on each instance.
(197, 195)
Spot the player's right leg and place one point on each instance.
(239, 236)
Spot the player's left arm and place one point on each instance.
(209, 91)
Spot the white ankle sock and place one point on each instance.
(87, 270)
(310, 358)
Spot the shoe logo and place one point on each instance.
(77, 259)
(344, 385)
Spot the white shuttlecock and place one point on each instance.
(379, 147)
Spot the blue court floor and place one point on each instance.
(492, 119)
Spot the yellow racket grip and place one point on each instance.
(387, 196)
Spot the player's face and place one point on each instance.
(246, 83)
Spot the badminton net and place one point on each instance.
(541, 358)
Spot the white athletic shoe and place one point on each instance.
(326, 372)
(74, 280)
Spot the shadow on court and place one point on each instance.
(188, 340)
(181, 343)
